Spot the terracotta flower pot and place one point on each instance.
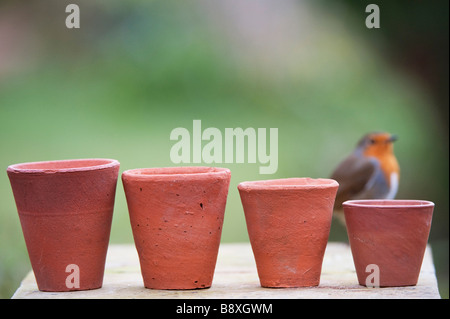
(390, 234)
(65, 209)
(288, 222)
(176, 215)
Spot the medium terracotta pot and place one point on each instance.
(288, 222)
(176, 215)
(65, 209)
(390, 234)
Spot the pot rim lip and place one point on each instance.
(175, 172)
(283, 184)
(103, 164)
(388, 203)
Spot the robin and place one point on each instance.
(370, 172)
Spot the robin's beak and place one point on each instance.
(393, 138)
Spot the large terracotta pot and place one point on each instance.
(176, 215)
(65, 209)
(288, 222)
(388, 239)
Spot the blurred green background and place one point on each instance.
(135, 70)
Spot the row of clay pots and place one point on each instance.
(176, 215)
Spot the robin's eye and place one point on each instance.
(372, 141)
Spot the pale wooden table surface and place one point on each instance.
(236, 277)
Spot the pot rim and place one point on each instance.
(388, 203)
(44, 167)
(288, 183)
(175, 172)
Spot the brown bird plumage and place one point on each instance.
(370, 172)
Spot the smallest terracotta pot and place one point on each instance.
(388, 239)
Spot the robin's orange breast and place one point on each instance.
(388, 162)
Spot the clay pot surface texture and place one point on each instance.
(65, 209)
(391, 234)
(288, 222)
(176, 215)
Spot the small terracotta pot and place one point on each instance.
(288, 222)
(391, 234)
(65, 209)
(176, 215)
